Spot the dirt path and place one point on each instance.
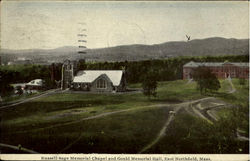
(162, 131)
(240, 137)
(71, 144)
(190, 81)
(200, 113)
(18, 148)
(207, 114)
(107, 114)
(84, 119)
(177, 107)
(232, 88)
(53, 91)
(194, 108)
(159, 136)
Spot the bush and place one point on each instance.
(242, 81)
(49, 84)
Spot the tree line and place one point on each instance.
(25, 73)
(164, 70)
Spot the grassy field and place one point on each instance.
(240, 99)
(123, 132)
(40, 112)
(8, 99)
(186, 133)
(191, 135)
(240, 96)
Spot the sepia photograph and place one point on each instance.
(123, 77)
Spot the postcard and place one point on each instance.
(124, 80)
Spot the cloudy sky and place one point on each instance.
(46, 25)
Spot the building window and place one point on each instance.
(77, 85)
(101, 83)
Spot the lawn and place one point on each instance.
(141, 124)
(189, 134)
(8, 99)
(125, 132)
(31, 123)
(66, 107)
(240, 100)
(240, 97)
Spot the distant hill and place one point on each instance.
(199, 47)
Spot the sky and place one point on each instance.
(47, 25)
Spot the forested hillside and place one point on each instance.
(215, 46)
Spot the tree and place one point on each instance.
(242, 81)
(206, 80)
(81, 64)
(149, 84)
(5, 79)
(49, 84)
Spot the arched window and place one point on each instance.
(101, 83)
(68, 67)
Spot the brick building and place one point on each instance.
(221, 70)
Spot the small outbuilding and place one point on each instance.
(36, 84)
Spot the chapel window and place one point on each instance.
(101, 83)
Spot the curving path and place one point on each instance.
(194, 107)
(177, 107)
(110, 113)
(84, 119)
(18, 102)
(162, 131)
(232, 88)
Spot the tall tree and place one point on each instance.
(149, 84)
(81, 64)
(206, 80)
